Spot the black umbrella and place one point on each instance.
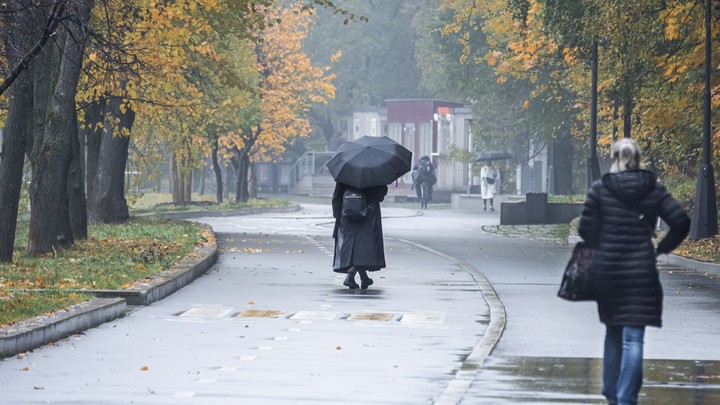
(370, 161)
(493, 156)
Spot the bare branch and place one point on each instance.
(48, 32)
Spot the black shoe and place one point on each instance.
(350, 283)
(366, 283)
(492, 209)
(484, 208)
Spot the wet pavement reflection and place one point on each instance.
(542, 380)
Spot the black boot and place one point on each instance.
(365, 281)
(350, 280)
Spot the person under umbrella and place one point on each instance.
(362, 168)
(358, 240)
(488, 176)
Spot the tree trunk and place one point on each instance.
(218, 174)
(77, 203)
(181, 181)
(616, 106)
(42, 78)
(241, 190)
(252, 182)
(187, 180)
(175, 183)
(17, 131)
(202, 180)
(49, 218)
(562, 163)
(627, 116)
(92, 134)
(107, 203)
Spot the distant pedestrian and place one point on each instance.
(358, 238)
(618, 221)
(424, 172)
(488, 180)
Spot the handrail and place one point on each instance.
(308, 164)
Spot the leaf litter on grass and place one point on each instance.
(113, 257)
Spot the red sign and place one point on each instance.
(443, 111)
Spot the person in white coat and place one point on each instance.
(488, 180)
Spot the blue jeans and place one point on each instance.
(623, 364)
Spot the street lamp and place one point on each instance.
(593, 167)
(704, 224)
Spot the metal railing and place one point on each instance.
(309, 163)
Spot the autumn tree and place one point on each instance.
(287, 85)
(18, 128)
(57, 194)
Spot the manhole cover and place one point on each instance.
(206, 312)
(423, 317)
(315, 315)
(259, 313)
(370, 316)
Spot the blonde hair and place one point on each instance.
(625, 155)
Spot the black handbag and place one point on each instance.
(576, 283)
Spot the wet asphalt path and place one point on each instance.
(271, 324)
(550, 351)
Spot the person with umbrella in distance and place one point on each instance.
(488, 177)
(362, 169)
(424, 172)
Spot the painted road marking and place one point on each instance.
(423, 317)
(260, 313)
(370, 316)
(314, 315)
(207, 312)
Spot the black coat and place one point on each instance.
(359, 243)
(619, 216)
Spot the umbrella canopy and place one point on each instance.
(494, 155)
(370, 161)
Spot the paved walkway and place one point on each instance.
(271, 324)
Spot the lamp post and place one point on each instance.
(704, 224)
(593, 167)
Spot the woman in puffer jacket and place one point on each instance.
(618, 220)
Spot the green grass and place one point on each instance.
(561, 231)
(113, 257)
(159, 203)
(17, 306)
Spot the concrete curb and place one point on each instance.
(702, 267)
(107, 304)
(465, 375)
(35, 332)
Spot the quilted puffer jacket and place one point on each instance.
(618, 220)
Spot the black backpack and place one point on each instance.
(354, 206)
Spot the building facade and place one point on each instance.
(427, 128)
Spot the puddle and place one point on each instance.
(579, 381)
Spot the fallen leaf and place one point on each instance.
(145, 368)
